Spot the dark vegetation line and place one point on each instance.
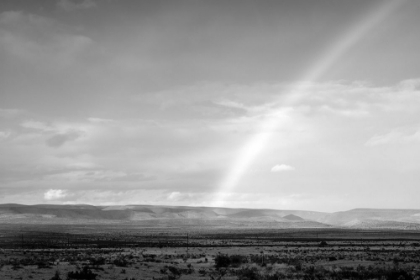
(40, 240)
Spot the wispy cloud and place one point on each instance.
(4, 134)
(56, 134)
(282, 168)
(58, 140)
(397, 136)
(10, 113)
(37, 125)
(59, 47)
(95, 175)
(72, 5)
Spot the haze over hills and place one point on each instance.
(214, 216)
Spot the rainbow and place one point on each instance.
(254, 145)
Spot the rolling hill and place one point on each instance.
(215, 216)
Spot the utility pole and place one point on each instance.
(262, 258)
(187, 244)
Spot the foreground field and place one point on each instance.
(390, 261)
(108, 253)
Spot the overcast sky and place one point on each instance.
(291, 104)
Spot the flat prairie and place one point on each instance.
(108, 251)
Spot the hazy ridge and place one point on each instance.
(211, 216)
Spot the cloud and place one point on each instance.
(211, 100)
(59, 139)
(10, 113)
(230, 103)
(4, 134)
(355, 113)
(57, 133)
(87, 174)
(395, 136)
(115, 197)
(282, 168)
(72, 5)
(174, 196)
(101, 121)
(40, 40)
(315, 135)
(37, 125)
(54, 194)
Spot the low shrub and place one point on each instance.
(222, 260)
(85, 273)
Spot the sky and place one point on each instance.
(292, 104)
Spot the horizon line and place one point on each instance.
(214, 207)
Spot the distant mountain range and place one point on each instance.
(210, 216)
